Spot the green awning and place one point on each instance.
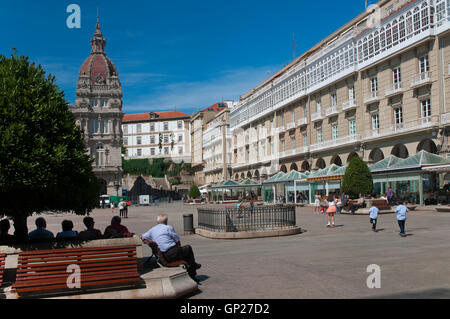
(423, 158)
(385, 163)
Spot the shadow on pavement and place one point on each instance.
(438, 293)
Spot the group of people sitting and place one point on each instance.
(341, 201)
(115, 230)
(162, 234)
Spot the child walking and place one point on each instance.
(317, 203)
(331, 210)
(374, 217)
(401, 211)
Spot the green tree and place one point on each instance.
(194, 192)
(357, 179)
(43, 161)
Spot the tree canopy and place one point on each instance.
(43, 160)
(194, 192)
(357, 179)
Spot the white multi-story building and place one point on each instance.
(379, 85)
(199, 123)
(157, 134)
(217, 148)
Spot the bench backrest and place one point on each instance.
(99, 267)
(2, 267)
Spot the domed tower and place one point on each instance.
(98, 111)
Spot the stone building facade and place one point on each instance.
(379, 85)
(98, 111)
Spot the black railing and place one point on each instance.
(246, 219)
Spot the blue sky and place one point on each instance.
(175, 54)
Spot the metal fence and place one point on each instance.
(246, 219)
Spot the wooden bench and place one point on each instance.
(160, 259)
(2, 267)
(381, 204)
(46, 271)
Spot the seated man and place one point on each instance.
(116, 230)
(169, 243)
(90, 233)
(40, 232)
(358, 205)
(5, 238)
(67, 230)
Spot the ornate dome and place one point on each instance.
(98, 67)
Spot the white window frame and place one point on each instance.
(352, 127)
(398, 117)
(335, 132)
(425, 110)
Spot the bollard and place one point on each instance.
(188, 222)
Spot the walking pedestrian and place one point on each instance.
(374, 217)
(331, 210)
(121, 207)
(389, 194)
(317, 203)
(401, 211)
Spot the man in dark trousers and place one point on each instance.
(169, 243)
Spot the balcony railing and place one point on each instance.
(395, 88)
(333, 110)
(417, 124)
(290, 125)
(335, 142)
(316, 116)
(213, 168)
(372, 97)
(420, 79)
(302, 121)
(348, 105)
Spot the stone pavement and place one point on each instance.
(319, 263)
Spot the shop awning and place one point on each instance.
(437, 168)
(420, 160)
(385, 163)
(332, 172)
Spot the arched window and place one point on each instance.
(425, 18)
(388, 36)
(401, 29)
(376, 42)
(371, 48)
(395, 32)
(382, 40)
(416, 20)
(409, 25)
(365, 49)
(360, 56)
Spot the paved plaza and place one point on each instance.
(319, 263)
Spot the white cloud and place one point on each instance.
(188, 96)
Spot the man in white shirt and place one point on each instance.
(169, 243)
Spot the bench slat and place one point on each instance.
(78, 253)
(55, 274)
(82, 249)
(74, 257)
(102, 283)
(83, 279)
(78, 262)
(111, 267)
(124, 263)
